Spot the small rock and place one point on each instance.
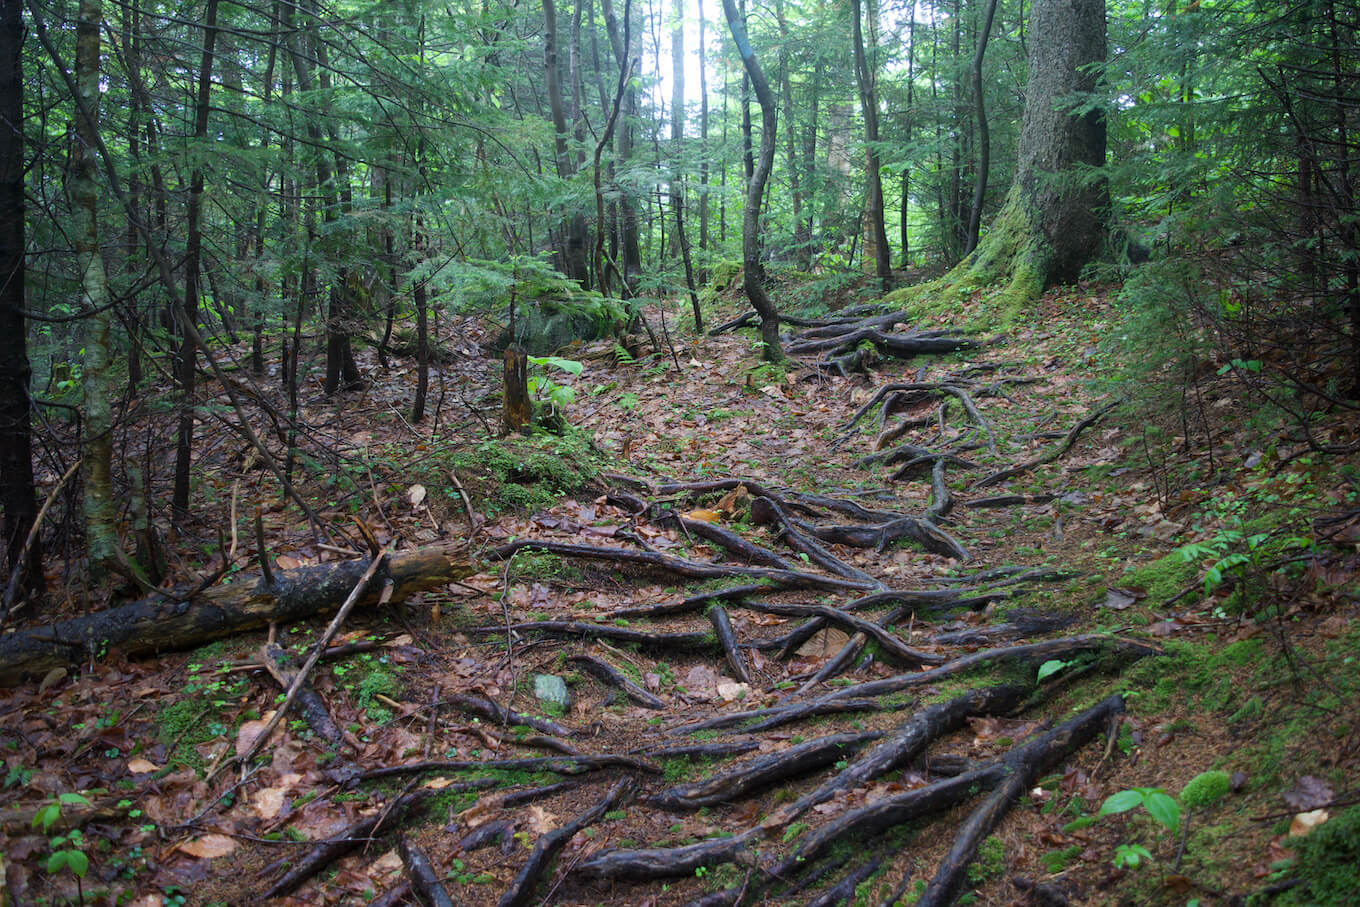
(551, 688)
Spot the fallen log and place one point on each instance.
(160, 623)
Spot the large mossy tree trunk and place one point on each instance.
(1053, 221)
(753, 272)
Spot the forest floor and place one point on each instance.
(1177, 548)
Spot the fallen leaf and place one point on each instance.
(268, 801)
(704, 515)
(245, 737)
(824, 643)
(415, 494)
(51, 679)
(1308, 793)
(540, 820)
(209, 846)
(1119, 599)
(140, 766)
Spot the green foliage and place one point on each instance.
(527, 473)
(1154, 800)
(1205, 789)
(1327, 860)
(989, 863)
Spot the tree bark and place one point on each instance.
(875, 233)
(187, 364)
(677, 138)
(158, 623)
(17, 493)
(101, 513)
(984, 136)
(1053, 221)
(1068, 208)
(753, 271)
(574, 254)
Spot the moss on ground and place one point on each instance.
(523, 473)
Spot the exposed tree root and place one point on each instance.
(1037, 651)
(328, 851)
(612, 676)
(779, 715)
(902, 746)
(888, 642)
(767, 511)
(560, 765)
(679, 566)
(1024, 765)
(283, 668)
(700, 750)
(521, 890)
(844, 890)
(692, 603)
(758, 773)
(485, 707)
(727, 638)
(1052, 454)
(666, 862)
(424, 879)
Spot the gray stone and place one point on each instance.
(549, 688)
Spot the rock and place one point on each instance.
(550, 688)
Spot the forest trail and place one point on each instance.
(821, 637)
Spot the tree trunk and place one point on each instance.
(101, 512)
(677, 138)
(703, 139)
(188, 353)
(573, 256)
(17, 498)
(875, 233)
(753, 272)
(984, 142)
(1054, 219)
(160, 623)
(628, 217)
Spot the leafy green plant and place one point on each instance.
(557, 396)
(67, 849)
(1157, 803)
(1051, 667)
